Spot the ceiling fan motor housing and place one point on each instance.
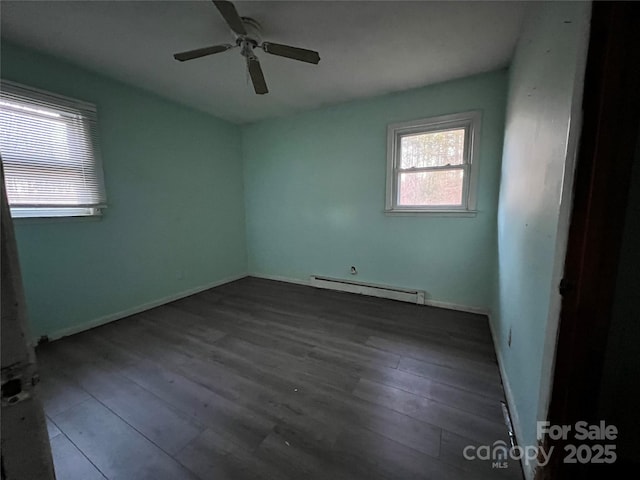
(251, 40)
(254, 32)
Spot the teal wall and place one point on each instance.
(315, 196)
(315, 186)
(544, 77)
(175, 220)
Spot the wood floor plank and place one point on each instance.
(270, 396)
(70, 463)
(452, 453)
(300, 458)
(191, 398)
(431, 412)
(321, 326)
(201, 405)
(180, 321)
(453, 376)
(276, 361)
(135, 405)
(314, 331)
(379, 456)
(481, 405)
(52, 429)
(275, 398)
(211, 456)
(114, 447)
(59, 393)
(440, 353)
(305, 406)
(313, 402)
(258, 379)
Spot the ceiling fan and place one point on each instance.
(247, 37)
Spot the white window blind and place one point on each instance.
(50, 155)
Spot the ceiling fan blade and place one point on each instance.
(295, 53)
(257, 77)
(230, 14)
(201, 52)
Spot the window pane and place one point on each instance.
(439, 187)
(433, 149)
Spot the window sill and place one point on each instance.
(431, 213)
(46, 220)
(55, 214)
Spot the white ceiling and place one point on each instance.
(366, 48)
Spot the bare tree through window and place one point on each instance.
(435, 187)
(432, 164)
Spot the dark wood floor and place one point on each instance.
(265, 380)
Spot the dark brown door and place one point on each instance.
(611, 122)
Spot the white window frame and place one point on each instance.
(31, 212)
(471, 122)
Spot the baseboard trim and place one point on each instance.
(65, 332)
(528, 470)
(428, 302)
(456, 306)
(279, 278)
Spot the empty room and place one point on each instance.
(318, 239)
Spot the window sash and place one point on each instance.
(50, 153)
(464, 166)
(465, 187)
(470, 122)
(413, 132)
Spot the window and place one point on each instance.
(49, 150)
(432, 165)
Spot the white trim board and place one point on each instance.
(112, 317)
(456, 306)
(279, 278)
(508, 393)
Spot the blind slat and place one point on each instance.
(49, 148)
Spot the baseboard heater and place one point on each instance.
(382, 291)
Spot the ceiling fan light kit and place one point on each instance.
(248, 37)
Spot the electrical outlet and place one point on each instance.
(509, 339)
